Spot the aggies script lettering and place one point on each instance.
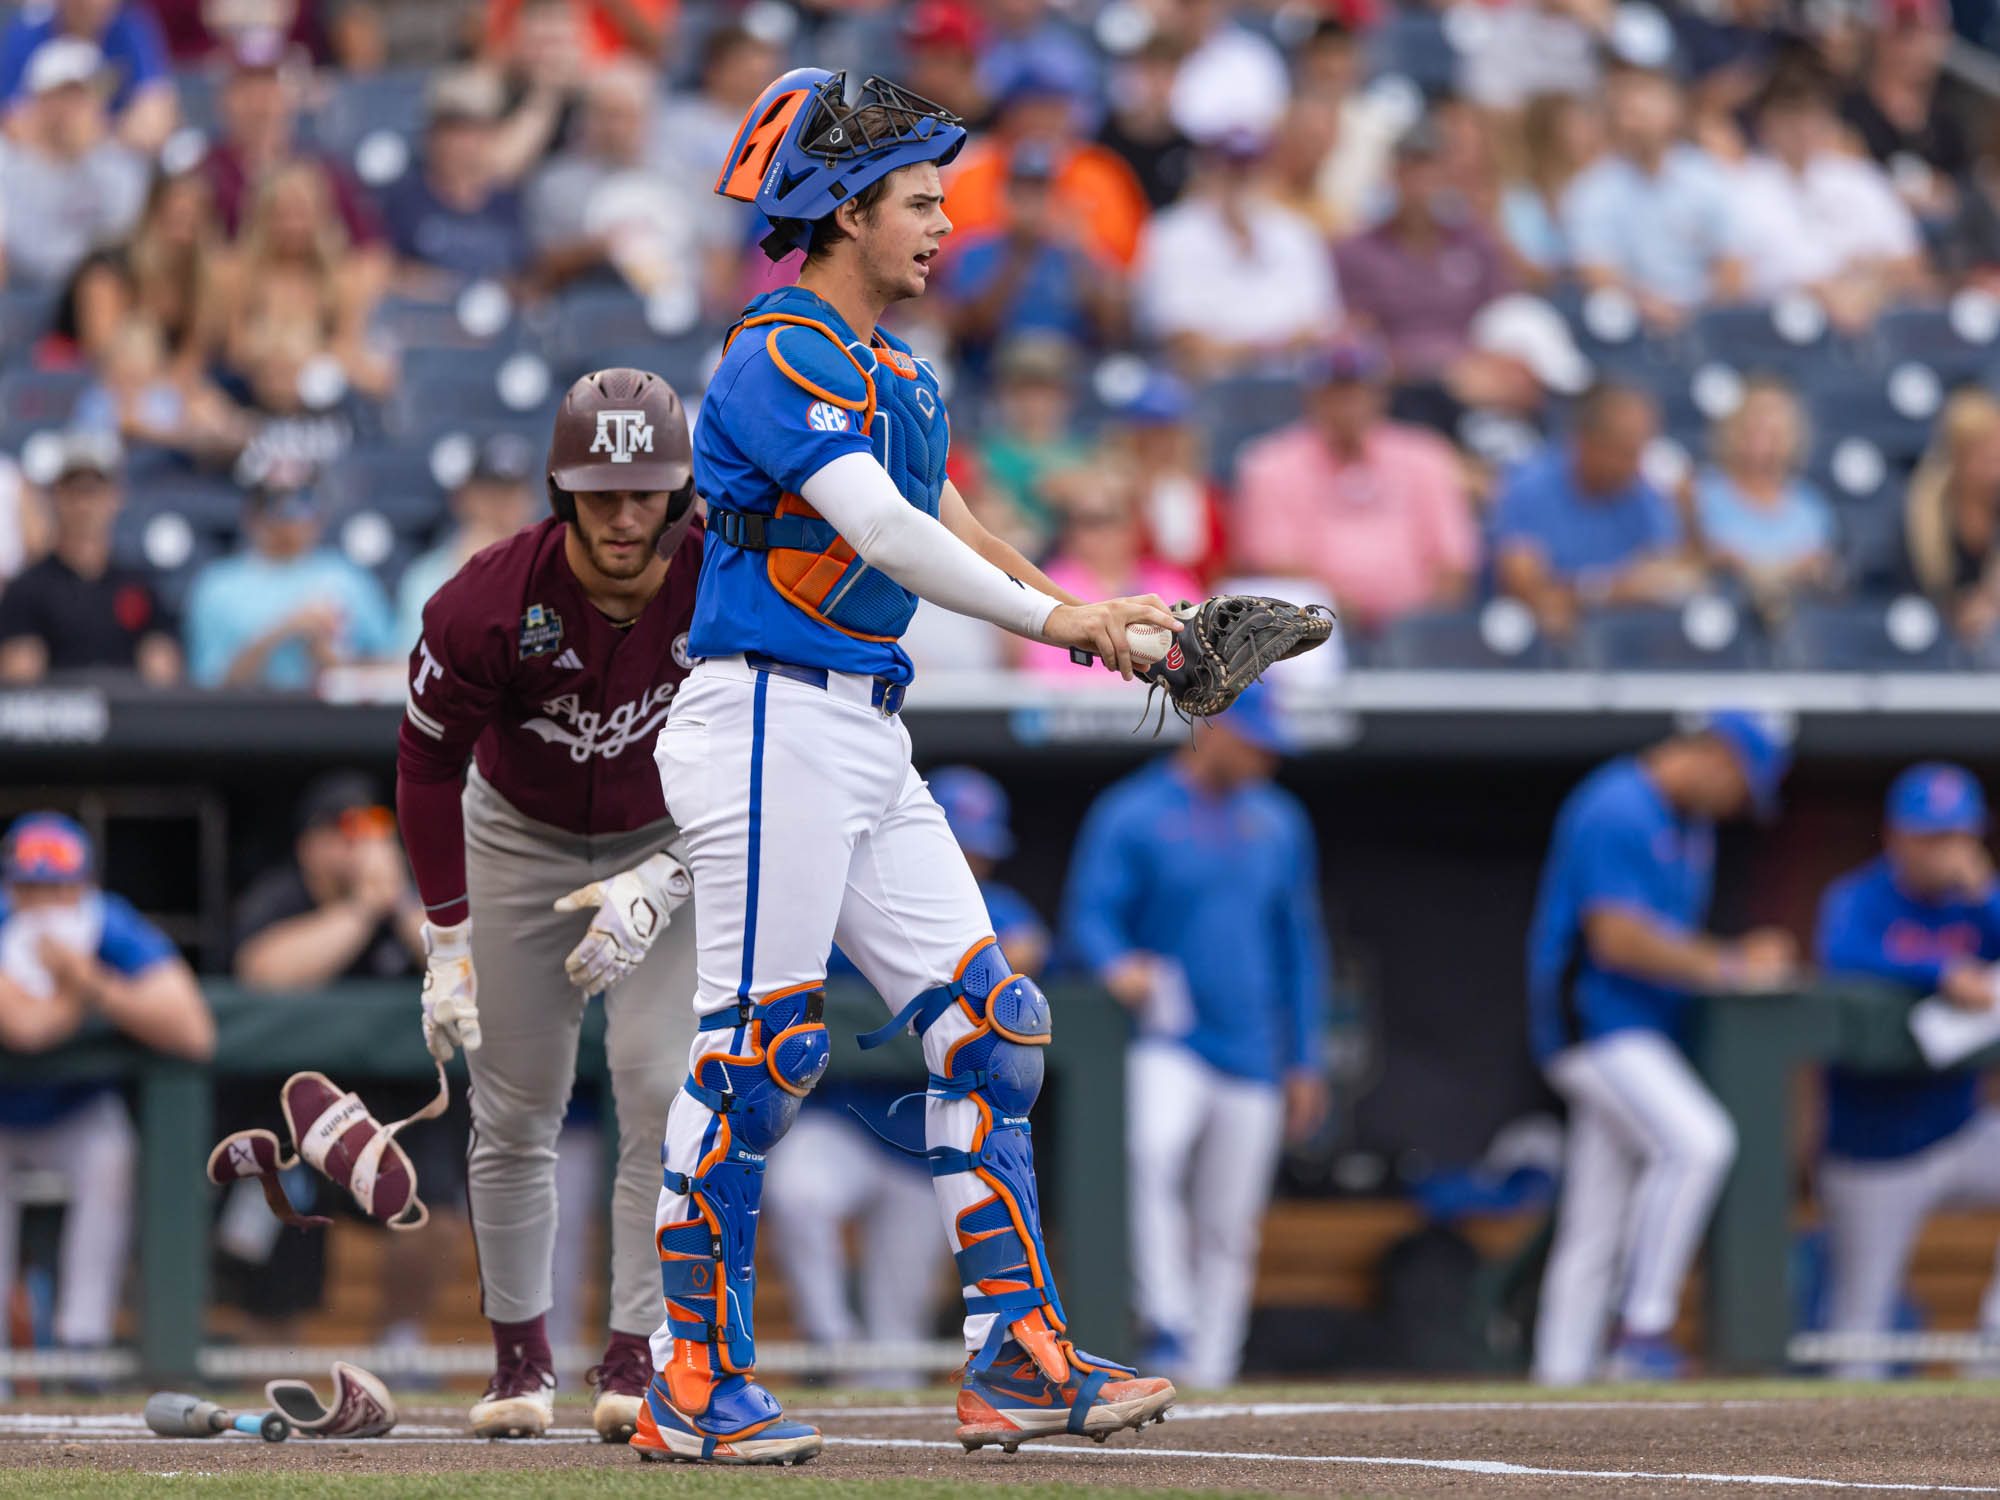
(593, 733)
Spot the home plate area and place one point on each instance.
(1794, 1440)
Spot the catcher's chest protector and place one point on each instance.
(876, 389)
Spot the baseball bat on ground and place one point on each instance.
(174, 1414)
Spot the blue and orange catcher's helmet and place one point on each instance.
(803, 150)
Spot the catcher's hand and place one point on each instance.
(633, 907)
(451, 990)
(1226, 643)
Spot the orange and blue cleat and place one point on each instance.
(742, 1424)
(1013, 1399)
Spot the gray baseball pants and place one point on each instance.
(529, 1016)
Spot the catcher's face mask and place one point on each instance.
(335, 1133)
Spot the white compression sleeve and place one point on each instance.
(862, 503)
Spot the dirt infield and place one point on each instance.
(1504, 1444)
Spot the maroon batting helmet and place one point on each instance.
(623, 429)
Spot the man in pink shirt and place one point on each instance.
(1374, 510)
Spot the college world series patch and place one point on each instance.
(541, 631)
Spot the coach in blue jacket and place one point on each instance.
(1925, 913)
(1194, 897)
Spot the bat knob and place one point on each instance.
(274, 1428)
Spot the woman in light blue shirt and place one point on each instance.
(1560, 136)
(1758, 520)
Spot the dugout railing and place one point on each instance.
(362, 1032)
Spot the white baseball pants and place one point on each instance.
(806, 824)
(1875, 1211)
(1202, 1148)
(828, 1175)
(95, 1150)
(1648, 1150)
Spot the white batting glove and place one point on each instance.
(633, 908)
(451, 990)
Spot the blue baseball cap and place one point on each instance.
(46, 848)
(1256, 718)
(975, 805)
(1762, 754)
(1162, 399)
(1936, 797)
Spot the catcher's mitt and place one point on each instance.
(1225, 645)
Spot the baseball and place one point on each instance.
(1148, 642)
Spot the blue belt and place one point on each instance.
(885, 696)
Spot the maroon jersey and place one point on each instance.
(559, 707)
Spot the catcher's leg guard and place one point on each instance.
(983, 1033)
(704, 1406)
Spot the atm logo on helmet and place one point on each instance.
(622, 434)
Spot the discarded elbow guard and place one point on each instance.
(335, 1133)
(361, 1406)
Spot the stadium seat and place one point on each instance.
(1931, 336)
(1750, 339)
(1410, 40)
(1240, 410)
(448, 387)
(397, 481)
(422, 323)
(391, 100)
(1870, 540)
(25, 313)
(211, 506)
(1855, 638)
(1859, 406)
(1657, 640)
(39, 398)
(1448, 641)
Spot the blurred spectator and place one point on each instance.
(1655, 216)
(66, 186)
(1899, 112)
(302, 289)
(75, 609)
(1581, 527)
(541, 72)
(1924, 914)
(1353, 178)
(284, 608)
(840, 1168)
(147, 402)
(24, 526)
(1139, 122)
(1419, 277)
(1026, 39)
(941, 40)
(196, 31)
(613, 30)
(1951, 517)
(1151, 441)
(1728, 56)
(1522, 360)
(1230, 77)
(259, 109)
(493, 503)
(142, 103)
(1031, 273)
(452, 211)
(1101, 555)
(1616, 955)
(1194, 899)
(1029, 453)
(1530, 47)
(1812, 217)
(1228, 233)
(1373, 510)
(301, 410)
(74, 956)
(597, 208)
(1758, 520)
(694, 133)
(173, 273)
(344, 907)
(1560, 136)
(1094, 187)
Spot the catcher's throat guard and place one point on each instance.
(360, 1407)
(334, 1132)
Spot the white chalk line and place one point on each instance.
(1208, 1411)
(1450, 1465)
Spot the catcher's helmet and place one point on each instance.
(802, 150)
(623, 429)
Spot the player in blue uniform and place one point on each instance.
(821, 450)
(1925, 913)
(1616, 954)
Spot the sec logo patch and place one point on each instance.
(824, 416)
(681, 657)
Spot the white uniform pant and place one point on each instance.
(1202, 1148)
(94, 1150)
(806, 824)
(830, 1174)
(1875, 1211)
(1649, 1148)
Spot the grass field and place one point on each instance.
(1709, 1439)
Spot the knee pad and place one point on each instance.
(753, 1088)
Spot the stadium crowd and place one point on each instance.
(1601, 309)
